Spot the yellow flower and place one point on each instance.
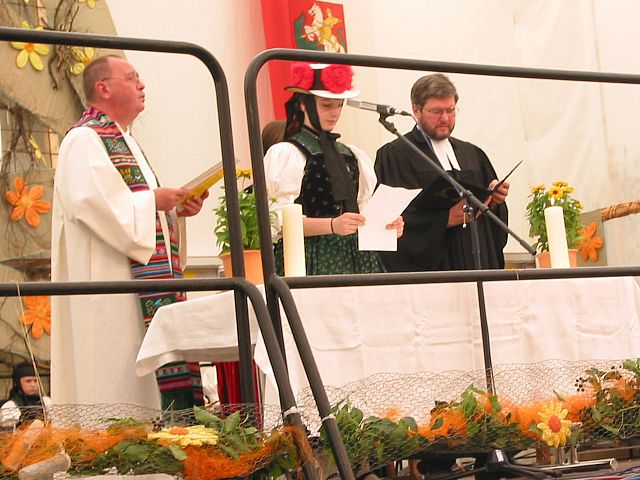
(36, 148)
(556, 192)
(197, 435)
(90, 3)
(560, 184)
(26, 202)
(555, 429)
(83, 56)
(30, 52)
(38, 315)
(537, 189)
(567, 189)
(243, 172)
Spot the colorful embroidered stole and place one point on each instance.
(180, 382)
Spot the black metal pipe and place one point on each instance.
(226, 141)
(256, 150)
(15, 289)
(291, 415)
(458, 276)
(253, 114)
(313, 375)
(433, 66)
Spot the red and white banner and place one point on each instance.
(306, 24)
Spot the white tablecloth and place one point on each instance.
(359, 331)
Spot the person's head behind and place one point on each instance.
(319, 94)
(433, 100)
(272, 133)
(25, 381)
(112, 85)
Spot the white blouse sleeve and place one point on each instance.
(284, 168)
(9, 414)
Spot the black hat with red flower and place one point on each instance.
(323, 80)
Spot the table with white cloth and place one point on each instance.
(355, 332)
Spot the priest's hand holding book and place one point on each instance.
(497, 190)
(168, 198)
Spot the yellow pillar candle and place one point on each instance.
(293, 241)
(557, 236)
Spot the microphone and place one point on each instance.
(376, 107)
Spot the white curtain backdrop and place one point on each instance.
(582, 133)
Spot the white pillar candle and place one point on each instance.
(557, 236)
(293, 241)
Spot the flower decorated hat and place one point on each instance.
(323, 80)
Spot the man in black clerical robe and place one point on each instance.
(436, 233)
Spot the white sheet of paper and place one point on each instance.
(386, 204)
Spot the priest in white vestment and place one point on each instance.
(99, 224)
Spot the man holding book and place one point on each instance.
(436, 236)
(113, 221)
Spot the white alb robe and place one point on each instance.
(98, 223)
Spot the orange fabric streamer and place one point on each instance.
(81, 445)
(211, 464)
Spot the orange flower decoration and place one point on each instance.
(575, 404)
(26, 202)
(38, 315)
(392, 413)
(590, 243)
(446, 423)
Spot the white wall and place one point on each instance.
(577, 132)
(573, 131)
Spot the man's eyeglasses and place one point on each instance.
(131, 78)
(438, 112)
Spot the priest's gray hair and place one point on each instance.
(435, 85)
(97, 70)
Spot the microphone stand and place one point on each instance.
(497, 460)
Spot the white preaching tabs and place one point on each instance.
(382, 209)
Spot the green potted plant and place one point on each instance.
(559, 194)
(248, 226)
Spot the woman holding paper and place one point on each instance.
(330, 180)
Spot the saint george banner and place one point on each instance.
(304, 24)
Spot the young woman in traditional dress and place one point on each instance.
(331, 180)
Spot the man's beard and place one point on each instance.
(432, 133)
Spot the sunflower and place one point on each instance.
(560, 184)
(537, 189)
(26, 202)
(555, 429)
(197, 435)
(243, 172)
(556, 192)
(37, 314)
(30, 52)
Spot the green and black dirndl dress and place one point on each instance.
(327, 254)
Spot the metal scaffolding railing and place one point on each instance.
(279, 288)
